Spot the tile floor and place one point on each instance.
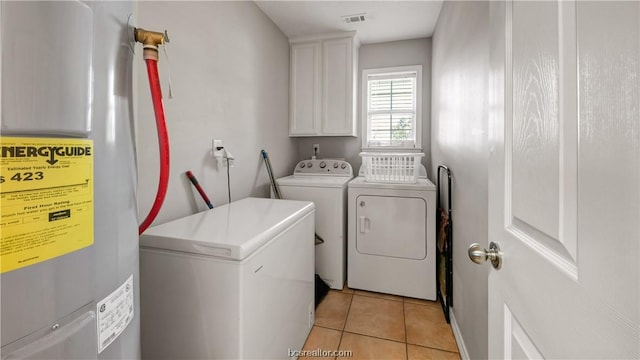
(381, 326)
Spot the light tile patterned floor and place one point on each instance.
(381, 326)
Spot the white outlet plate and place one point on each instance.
(214, 148)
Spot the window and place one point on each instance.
(391, 110)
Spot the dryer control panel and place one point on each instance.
(334, 167)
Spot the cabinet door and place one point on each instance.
(304, 105)
(338, 87)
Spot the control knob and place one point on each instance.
(335, 165)
(302, 165)
(343, 166)
(309, 165)
(323, 165)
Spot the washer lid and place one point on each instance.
(314, 181)
(232, 231)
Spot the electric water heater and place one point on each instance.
(69, 231)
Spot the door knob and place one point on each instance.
(479, 255)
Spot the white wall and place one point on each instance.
(230, 73)
(459, 140)
(387, 54)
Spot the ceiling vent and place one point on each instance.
(354, 18)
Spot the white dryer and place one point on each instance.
(391, 232)
(325, 183)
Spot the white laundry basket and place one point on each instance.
(391, 167)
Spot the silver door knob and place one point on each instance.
(479, 255)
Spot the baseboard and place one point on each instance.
(462, 349)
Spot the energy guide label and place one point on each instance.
(46, 199)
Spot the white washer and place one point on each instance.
(234, 282)
(325, 183)
(391, 247)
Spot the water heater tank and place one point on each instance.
(69, 239)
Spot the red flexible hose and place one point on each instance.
(163, 143)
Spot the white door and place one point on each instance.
(564, 186)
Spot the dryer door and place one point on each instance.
(391, 226)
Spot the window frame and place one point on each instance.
(365, 102)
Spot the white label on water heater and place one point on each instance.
(115, 312)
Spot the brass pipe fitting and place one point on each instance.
(147, 37)
(150, 41)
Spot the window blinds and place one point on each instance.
(391, 109)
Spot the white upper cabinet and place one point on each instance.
(304, 89)
(323, 85)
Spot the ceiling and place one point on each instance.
(385, 20)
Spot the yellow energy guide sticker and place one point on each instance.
(46, 199)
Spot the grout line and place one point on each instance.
(326, 327)
(435, 305)
(340, 342)
(434, 347)
(397, 299)
(348, 311)
(404, 321)
(375, 337)
(345, 324)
